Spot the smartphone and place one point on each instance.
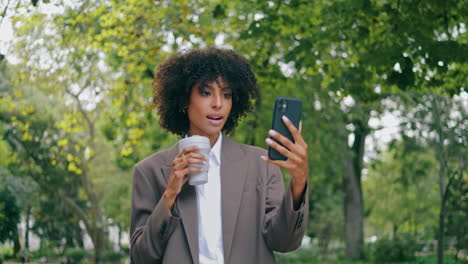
(290, 107)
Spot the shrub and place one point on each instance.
(76, 255)
(126, 250)
(113, 256)
(6, 253)
(400, 248)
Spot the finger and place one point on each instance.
(280, 163)
(184, 155)
(195, 158)
(190, 152)
(296, 134)
(281, 139)
(196, 155)
(191, 169)
(291, 151)
(281, 149)
(191, 161)
(179, 165)
(297, 150)
(292, 128)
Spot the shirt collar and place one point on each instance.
(215, 152)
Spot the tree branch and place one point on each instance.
(4, 12)
(78, 211)
(85, 115)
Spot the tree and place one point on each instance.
(358, 50)
(344, 55)
(401, 190)
(54, 222)
(9, 215)
(457, 201)
(51, 152)
(439, 122)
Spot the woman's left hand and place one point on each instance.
(296, 154)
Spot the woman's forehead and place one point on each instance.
(219, 81)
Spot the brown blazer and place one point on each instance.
(257, 214)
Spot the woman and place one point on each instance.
(243, 213)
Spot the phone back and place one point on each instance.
(290, 107)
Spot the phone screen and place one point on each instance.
(290, 107)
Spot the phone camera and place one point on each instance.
(283, 106)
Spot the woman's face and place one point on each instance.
(209, 107)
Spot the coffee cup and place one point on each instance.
(204, 147)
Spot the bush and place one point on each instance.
(113, 256)
(48, 249)
(400, 248)
(6, 253)
(126, 250)
(76, 255)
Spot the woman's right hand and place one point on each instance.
(180, 172)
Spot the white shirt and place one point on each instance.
(210, 232)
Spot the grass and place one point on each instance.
(300, 256)
(307, 256)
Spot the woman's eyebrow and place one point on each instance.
(205, 85)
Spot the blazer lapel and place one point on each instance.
(233, 175)
(185, 205)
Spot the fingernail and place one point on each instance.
(271, 132)
(285, 118)
(263, 158)
(268, 141)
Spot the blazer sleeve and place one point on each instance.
(152, 223)
(284, 227)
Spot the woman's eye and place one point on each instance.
(204, 93)
(228, 95)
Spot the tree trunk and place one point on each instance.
(26, 232)
(94, 225)
(442, 213)
(440, 235)
(353, 201)
(324, 242)
(99, 245)
(98, 219)
(354, 214)
(16, 245)
(395, 230)
(120, 237)
(441, 156)
(78, 236)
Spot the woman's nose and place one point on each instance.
(216, 102)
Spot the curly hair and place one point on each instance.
(176, 76)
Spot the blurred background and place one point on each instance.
(383, 85)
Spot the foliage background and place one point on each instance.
(76, 113)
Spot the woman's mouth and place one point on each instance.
(215, 120)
